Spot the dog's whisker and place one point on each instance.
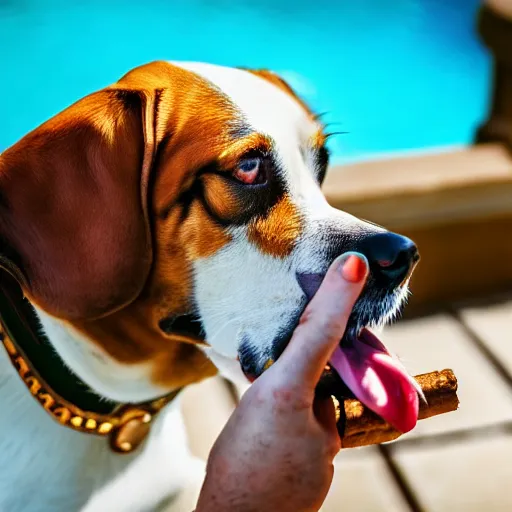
(332, 134)
(318, 117)
(213, 315)
(333, 123)
(218, 331)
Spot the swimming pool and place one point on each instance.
(396, 78)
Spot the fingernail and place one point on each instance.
(354, 267)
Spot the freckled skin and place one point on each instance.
(281, 466)
(236, 492)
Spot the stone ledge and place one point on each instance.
(457, 206)
(404, 192)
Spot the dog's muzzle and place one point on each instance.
(392, 259)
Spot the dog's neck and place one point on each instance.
(45, 459)
(96, 368)
(76, 377)
(51, 467)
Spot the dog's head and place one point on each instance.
(185, 191)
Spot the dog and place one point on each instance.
(161, 230)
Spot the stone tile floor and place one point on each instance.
(456, 462)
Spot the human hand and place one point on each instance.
(276, 451)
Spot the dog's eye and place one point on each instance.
(249, 171)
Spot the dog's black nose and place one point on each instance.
(391, 257)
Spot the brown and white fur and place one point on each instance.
(131, 208)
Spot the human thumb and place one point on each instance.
(324, 320)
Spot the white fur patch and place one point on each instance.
(46, 467)
(117, 381)
(49, 468)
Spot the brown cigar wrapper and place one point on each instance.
(359, 426)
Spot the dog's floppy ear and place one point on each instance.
(74, 225)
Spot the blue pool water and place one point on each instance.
(397, 75)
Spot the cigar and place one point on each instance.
(359, 426)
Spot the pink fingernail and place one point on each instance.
(354, 269)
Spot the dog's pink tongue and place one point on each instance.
(378, 380)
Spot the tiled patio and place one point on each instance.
(456, 462)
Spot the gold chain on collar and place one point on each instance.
(127, 426)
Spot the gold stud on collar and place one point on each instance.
(133, 429)
(105, 427)
(126, 447)
(337, 407)
(76, 421)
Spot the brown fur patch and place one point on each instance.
(202, 237)
(276, 234)
(133, 337)
(177, 368)
(255, 141)
(220, 198)
(319, 139)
